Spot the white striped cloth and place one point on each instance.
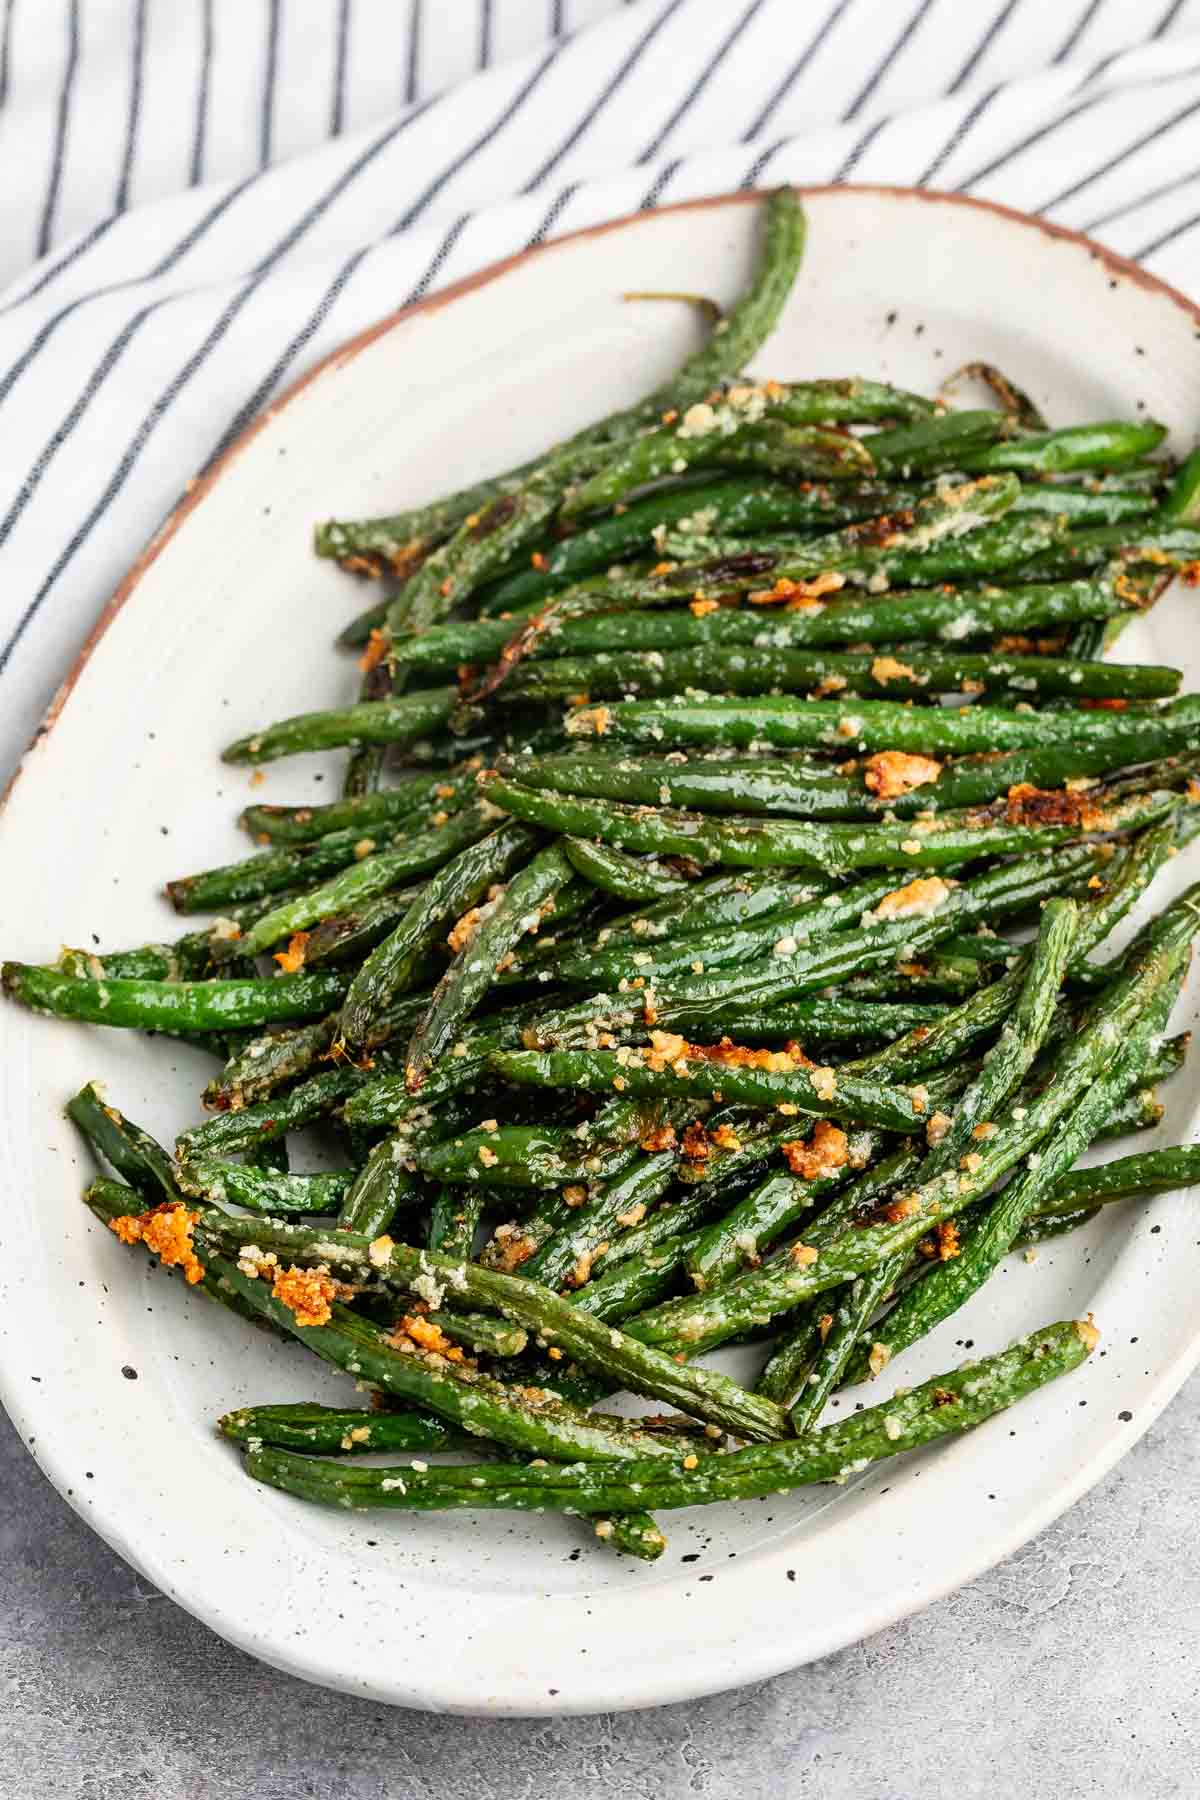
(201, 197)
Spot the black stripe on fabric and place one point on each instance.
(79, 248)
(1167, 237)
(700, 83)
(751, 177)
(194, 362)
(266, 118)
(437, 261)
(880, 70)
(587, 118)
(337, 111)
(251, 408)
(1077, 30)
(137, 69)
(1101, 68)
(659, 185)
(485, 33)
(412, 75)
(860, 149)
(983, 46)
(62, 124)
(1114, 162)
(558, 206)
(163, 267)
(200, 134)
(958, 136)
(247, 413)
(794, 73)
(1027, 142)
(10, 8)
(1146, 198)
(1168, 19)
(79, 406)
(481, 142)
(1056, 124)
(13, 373)
(84, 530)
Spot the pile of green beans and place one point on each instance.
(651, 982)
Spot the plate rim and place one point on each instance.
(770, 1659)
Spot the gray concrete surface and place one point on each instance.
(1068, 1673)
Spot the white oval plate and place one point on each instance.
(225, 624)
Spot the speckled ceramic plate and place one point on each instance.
(115, 1376)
